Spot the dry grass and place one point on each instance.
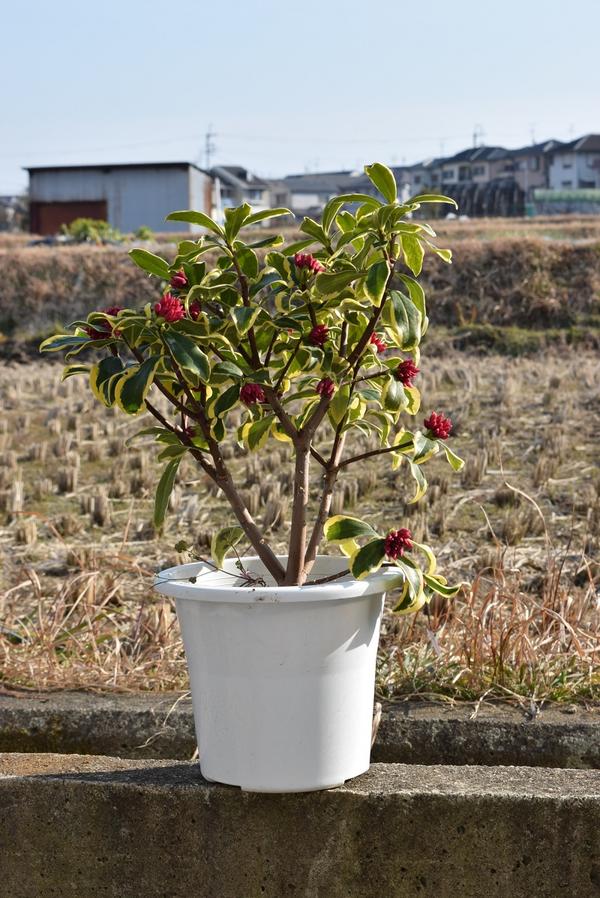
(508, 282)
(78, 552)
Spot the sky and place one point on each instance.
(289, 87)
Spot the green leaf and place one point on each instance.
(292, 248)
(235, 218)
(454, 460)
(223, 541)
(247, 261)
(163, 492)
(227, 400)
(433, 198)
(413, 253)
(417, 294)
(444, 254)
(266, 213)
(63, 341)
(376, 281)
(438, 584)
(244, 317)
(259, 432)
(421, 482)
(198, 218)
(393, 397)
(310, 226)
(228, 368)
(424, 448)
(150, 263)
(413, 598)
(101, 379)
(340, 528)
(404, 319)
(132, 388)
(335, 281)
(72, 370)
(383, 179)
(187, 354)
(368, 559)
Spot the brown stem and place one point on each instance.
(284, 418)
(329, 481)
(297, 543)
(371, 454)
(220, 474)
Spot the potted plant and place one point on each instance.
(308, 347)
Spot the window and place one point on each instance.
(479, 169)
(463, 173)
(534, 163)
(435, 178)
(566, 183)
(417, 179)
(567, 165)
(586, 184)
(448, 175)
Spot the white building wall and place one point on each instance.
(134, 196)
(562, 174)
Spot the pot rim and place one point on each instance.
(175, 582)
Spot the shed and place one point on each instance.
(128, 196)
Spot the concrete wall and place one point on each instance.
(91, 827)
(134, 196)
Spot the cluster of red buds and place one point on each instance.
(305, 260)
(106, 330)
(194, 309)
(170, 308)
(397, 542)
(406, 372)
(438, 426)
(319, 335)
(326, 387)
(379, 343)
(178, 280)
(251, 393)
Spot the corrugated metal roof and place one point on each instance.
(108, 166)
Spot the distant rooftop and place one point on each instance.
(111, 165)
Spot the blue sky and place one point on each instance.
(288, 87)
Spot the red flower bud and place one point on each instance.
(319, 334)
(396, 542)
(406, 372)
(326, 387)
(305, 260)
(170, 308)
(194, 309)
(104, 330)
(438, 426)
(378, 341)
(251, 393)
(178, 280)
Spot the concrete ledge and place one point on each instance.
(147, 726)
(90, 826)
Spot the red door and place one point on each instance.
(47, 218)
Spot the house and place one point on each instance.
(308, 193)
(576, 165)
(531, 165)
(235, 185)
(127, 196)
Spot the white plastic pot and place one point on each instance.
(282, 678)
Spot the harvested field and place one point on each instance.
(521, 524)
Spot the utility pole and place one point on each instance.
(209, 147)
(478, 135)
